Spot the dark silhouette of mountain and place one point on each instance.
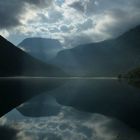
(15, 62)
(41, 48)
(106, 58)
(14, 92)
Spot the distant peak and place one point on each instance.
(40, 42)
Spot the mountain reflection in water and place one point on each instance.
(81, 101)
(108, 97)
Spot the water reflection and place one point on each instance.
(78, 109)
(13, 92)
(108, 97)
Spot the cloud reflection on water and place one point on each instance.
(68, 124)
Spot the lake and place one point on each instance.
(69, 109)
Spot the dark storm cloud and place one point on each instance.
(92, 20)
(122, 21)
(39, 2)
(136, 3)
(111, 19)
(78, 6)
(84, 6)
(93, 7)
(11, 11)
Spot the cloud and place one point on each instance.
(40, 2)
(64, 28)
(53, 16)
(99, 20)
(87, 24)
(69, 20)
(78, 5)
(11, 12)
(5, 33)
(117, 21)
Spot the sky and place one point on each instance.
(72, 22)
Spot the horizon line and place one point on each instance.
(55, 77)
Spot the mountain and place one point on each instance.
(132, 77)
(15, 62)
(106, 58)
(41, 48)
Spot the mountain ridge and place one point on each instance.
(43, 49)
(106, 58)
(15, 62)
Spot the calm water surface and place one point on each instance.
(74, 109)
